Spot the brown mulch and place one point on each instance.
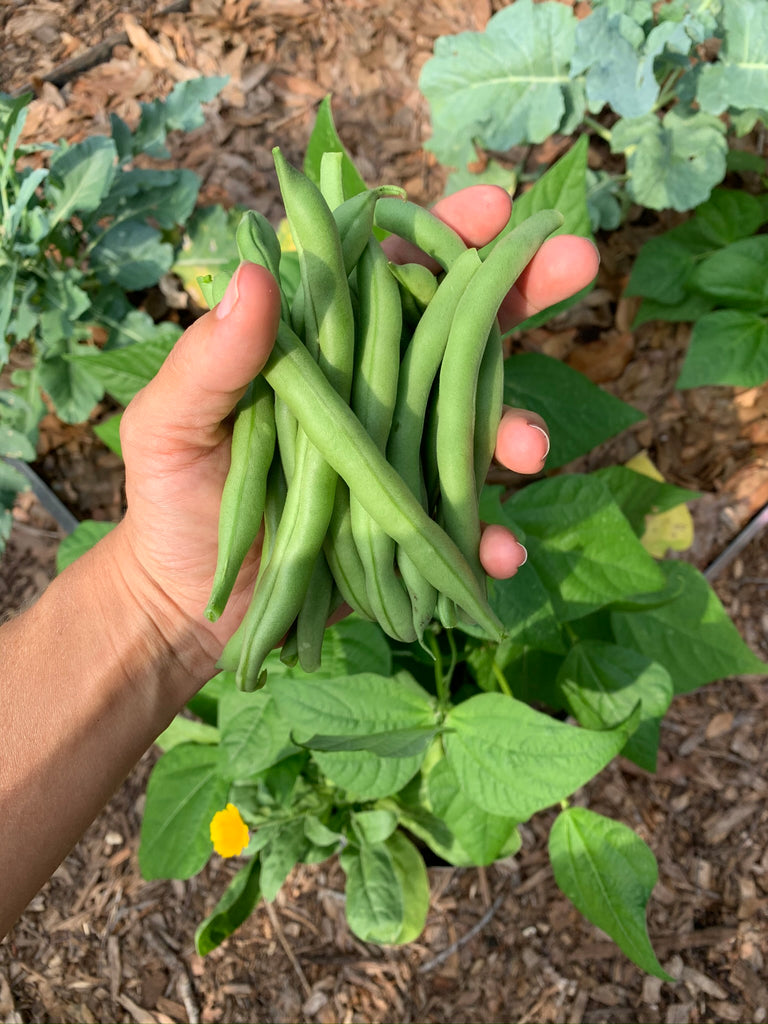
(98, 943)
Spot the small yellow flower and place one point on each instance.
(229, 833)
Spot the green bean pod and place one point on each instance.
(343, 557)
(374, 390)
(336, 432)
(243, 497)
(470, 329)
(488, 403)
(313, 615)
(417, 286)
(421, 228)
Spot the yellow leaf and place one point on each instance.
(664, 531)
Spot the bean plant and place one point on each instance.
(385, 748)
(665, 86)
(83, 230)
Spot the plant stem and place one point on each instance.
(597, 128)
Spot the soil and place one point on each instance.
(501, 944)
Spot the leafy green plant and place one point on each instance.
(666, 103)
(710, 271)
(391, 752)
(83, 227)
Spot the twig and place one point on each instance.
(740, 541)
(455, 946)
(275, 921)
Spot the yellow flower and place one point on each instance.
(229, 833)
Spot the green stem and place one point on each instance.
(501, 679)
(597, 128)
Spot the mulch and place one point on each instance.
(501, 944)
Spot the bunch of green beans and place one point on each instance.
(358, 499)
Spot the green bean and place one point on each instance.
(417, 286)
(282, 586)
(257, 242)
(243, 497)
(343, 558)
(488, 404)
(470, 328)
(374, 390)
(421, 228)
(313, 615)
(336, 432)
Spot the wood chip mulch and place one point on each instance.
(502, 944)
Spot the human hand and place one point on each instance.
(176, 432)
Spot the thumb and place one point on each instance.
(212, 363)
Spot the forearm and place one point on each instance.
(89, 677)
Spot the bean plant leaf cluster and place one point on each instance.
(537, 70)
(709, 271)
(82, 230)
(391, 752)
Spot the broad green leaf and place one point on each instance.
(325, 139)
(184, 791)
(358, 705)
(610, 48)
(514, 761)
(70, 385)
(674, 163)
(79, 177)
(186, 730)
(727, 346)
(208, 247)
(82, 539)
(517, 69)
(124, 371)
(374, 826)
(411, 874)
(607, 201)
(739, 76)
(183, 105)
(602, 683)
(234, 907)
(734, 275)
(163, 196)
(728, 215)
(205, 703)
(392, 743)
(364, 775)
(374, 897)
(108, 432)
(478, 837)
(608, 873)
(133, 255)
(580, 544)
(493, 173)
(579, 414)
(349, 647)
(280, 856)
(691, 635)
(254, 735)
(29, 182)
(639, 495)
(63, 302)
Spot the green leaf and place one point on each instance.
(124, 371)
(674, 163)
(514, 761)
(734, 275)
(325, 139)
(607, 201)
(374, 898)
(603, 682)
(183, 105)
(579, 414)
(186, 730)
(166, 197)
(108, 432)
(507, 85)
(580, 544)
(392, 743)
(374, 826)
(133, 255)
(727, 346)
(208, 247)
(70, 385)
(234, 907)
(82, 539)
(608, 873)
(478, 837)
(691, 635)
(184, 791)
(493, 173)
(79, 177)
(639, 495)
(280, 856)
(364, 775)
(739, 76)
(254, 735)
(350, 647)
(359, 705)
(411, 875)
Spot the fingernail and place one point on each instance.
(525, 554)
(229, 298)
(535, 426)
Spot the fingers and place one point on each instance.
(213, 362)
(563, 266)
(522, 441)
(501, 554)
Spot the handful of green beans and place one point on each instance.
(361, 448)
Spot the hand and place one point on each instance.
(176, 431)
